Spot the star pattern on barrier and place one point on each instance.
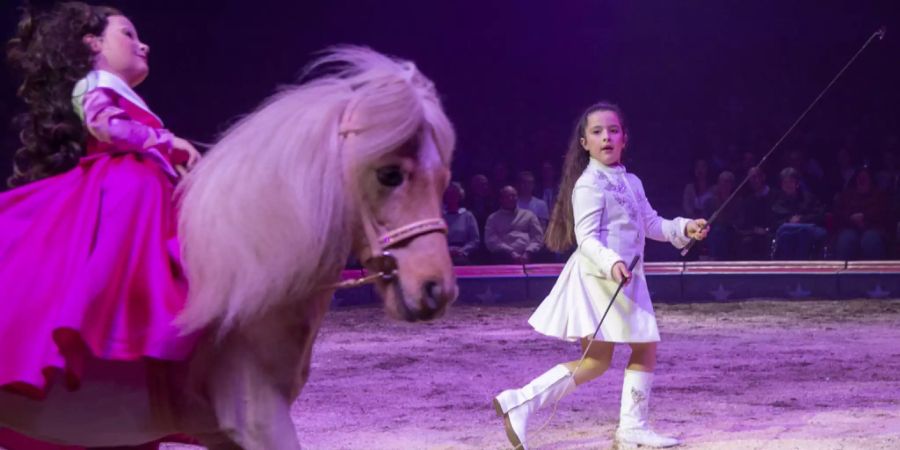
(878, 292)
(798, 292)
(488, 296)
(720, 293)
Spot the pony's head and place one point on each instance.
(355, 160)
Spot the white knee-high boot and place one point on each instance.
(633, 426)
(516, 405)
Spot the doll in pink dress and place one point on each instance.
(89, 266)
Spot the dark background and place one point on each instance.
(693, 77)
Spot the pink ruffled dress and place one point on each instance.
(89, 263)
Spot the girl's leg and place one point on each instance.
(595, 362)
(643, 357)
(515, 406)
(634, 428)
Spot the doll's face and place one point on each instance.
(120, 51)
(604, 137)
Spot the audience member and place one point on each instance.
(528, 201)
(549, 184)
(463, 237)
(480, 201)
(512, 234)
(757, 219)
(697, 190)
(798, 215)
(722, 238)
(862, 214)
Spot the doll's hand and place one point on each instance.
(620, 272)
(184, 153)
(697, 229)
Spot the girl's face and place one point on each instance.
(604, 138)
(120, 51)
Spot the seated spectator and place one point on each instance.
(798, 215)
(722, 237)
(862, 214)
(888, 178)
(500, 175)
(549, 184)
(840, 175)
(462, 229)
(512, 234)
(696, 191)
(757, 220)
(528, 201)
(809, 172)
(747, 162)
(480, 201)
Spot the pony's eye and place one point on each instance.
(390, 176)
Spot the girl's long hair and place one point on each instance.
(49, 54)
(560, 235)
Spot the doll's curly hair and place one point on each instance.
(49, 53)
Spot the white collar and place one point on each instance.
(597, 165)
(103, 79)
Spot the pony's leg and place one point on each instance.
(218, 441)
(249, 406)
(259, 371)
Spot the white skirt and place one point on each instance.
(577, 302)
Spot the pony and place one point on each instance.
(351, 161)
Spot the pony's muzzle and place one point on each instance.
(435, 298)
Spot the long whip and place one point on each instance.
(587, 347)
(879, 33)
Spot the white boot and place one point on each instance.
(515, 405)
(633, 427)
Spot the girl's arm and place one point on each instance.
(109, 123)
(587, 204)
(657, 228)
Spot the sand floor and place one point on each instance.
(745, 375)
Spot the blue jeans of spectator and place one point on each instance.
(795, 241)
(853, 244)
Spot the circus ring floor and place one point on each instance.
(795, 356)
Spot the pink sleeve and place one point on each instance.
(107, 122)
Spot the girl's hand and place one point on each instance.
(620, 272)
(184, 153)
(697, 229)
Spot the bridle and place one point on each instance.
(381, 258)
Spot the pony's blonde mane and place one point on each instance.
(265, 216)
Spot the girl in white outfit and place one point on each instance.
(603, 209)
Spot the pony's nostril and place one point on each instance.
(433, 292)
